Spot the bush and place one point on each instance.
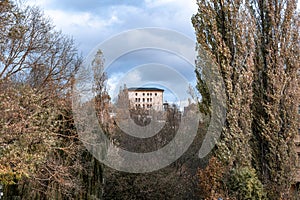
(244, 184)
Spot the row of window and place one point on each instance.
(143, 105)
(148, 94)
(144, 99)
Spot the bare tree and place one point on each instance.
(41, 156)
(31, 51)
(102, 98)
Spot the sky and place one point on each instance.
(92, 22)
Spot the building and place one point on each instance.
(146, 97)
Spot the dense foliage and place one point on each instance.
(41, 156)
(259, 64)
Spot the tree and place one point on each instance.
(221, 32)
(102, 98)
(41, 156)
(32, 52)
(26, 132)
(175, 181)
(258, 62)
(276, 93)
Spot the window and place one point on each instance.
(150, 99)
(136, 99)
(147, 94)
(136, 94)
(143, 99)
(143, 94)
(155, 94)
(150, 94)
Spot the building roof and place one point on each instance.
(145, 89)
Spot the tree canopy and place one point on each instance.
(256, 47)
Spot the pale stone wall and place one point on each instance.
(148, 99)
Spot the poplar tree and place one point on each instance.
(221, 32)
(255, 45)
(276, 93)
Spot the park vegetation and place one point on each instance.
(255, 47)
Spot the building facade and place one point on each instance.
(147, 98)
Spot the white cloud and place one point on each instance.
(89, 25)
(156, 3)
(182, 104)
(160, 76)
(132, 78)
(112, 84)
(179, 4)
(80, 21)
(116, 80)
(93, 24)
(40, 3)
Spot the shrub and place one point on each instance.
(244, 184)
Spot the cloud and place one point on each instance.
(156, 3)
(112, 85)
(151, 75)
(80, 6)
(93, 21)
(185, 5)
(39, 3)
(155, 68)
(75, 21)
